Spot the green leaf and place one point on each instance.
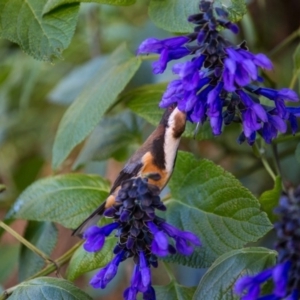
(113, 134)
(213, 204)
(48, 288)
(83, 261)
(235, 8)
(86, 111)
(174, 291)
(144, 102)
(172, 15)
(41, 37)
(269, 199)
(52, 4)
(218, 281)
(44, 236)
(66, 199)
(297, 153)
(9, 259)
(70, 86)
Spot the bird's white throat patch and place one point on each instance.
(171, 143)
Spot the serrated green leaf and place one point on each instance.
(41, 37)
(42, 235)
(218, 281)
(9, 259)
(213, 204)
(269, 199)
(86, 111)
(83, 261)
(52, 4)
(48, 288)
(174, 291)
(296, 58)
(65, 199)
(172, 15)
(144, 102)
(112, 135)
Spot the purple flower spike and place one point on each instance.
(214, 61)
(285, 275)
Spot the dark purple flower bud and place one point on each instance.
(125, 215)
(149, 294)
(233, 27)
(110, 212)
(293, 122)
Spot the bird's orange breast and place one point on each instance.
(150, 168)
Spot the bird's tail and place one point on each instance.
(90, 220)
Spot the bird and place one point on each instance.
(157, 155)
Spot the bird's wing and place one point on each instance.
(131, 169)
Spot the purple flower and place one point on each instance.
(105, 275)
(169, 49)
(286, 273)
(95, 236)
(215, 61)
(131, 292)
(153, 45)
(141, 235)
(252, 284)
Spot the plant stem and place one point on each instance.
(170, 273)
(285, 42)
(294, 78)
(25, 242)
(55, 265)
(265, 162)
(149, 57)
(285, 138)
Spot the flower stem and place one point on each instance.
(285, 42)
(265, 162)
(294, 78)
(47, 270)
(285, 138)
(25, 242)
(169, 271)
(149, 57)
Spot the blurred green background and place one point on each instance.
(34, 95)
